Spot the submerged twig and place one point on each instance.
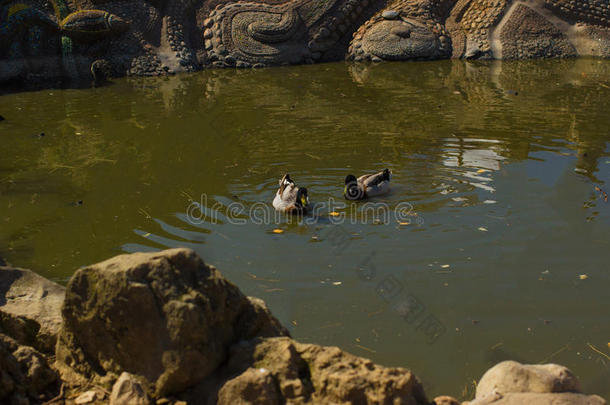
(554, 354)
(365, 348)
(595, 349)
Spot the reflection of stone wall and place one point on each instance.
(145, 37)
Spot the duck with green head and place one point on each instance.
(368, 185)
(290, 198)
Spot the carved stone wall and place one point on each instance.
(58, 41)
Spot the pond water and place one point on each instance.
(493, 244)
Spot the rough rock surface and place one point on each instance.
(166, 317)
(527, 34)
(405, 30)
(25, 375)
(43, 44)
(128, 390)
(509, 383)
(30, 307)
(280, 370)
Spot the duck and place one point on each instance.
(290, 198)
(368, 185)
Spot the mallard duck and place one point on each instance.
(369, 185)
(290, 198)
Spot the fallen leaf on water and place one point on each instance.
(294, 322)
(481, 171)
(146, 235)
(482, 229)
(583, 277)
(404, 223)
(337, 283)
(278, 231)
(444, 266)
(334, 214)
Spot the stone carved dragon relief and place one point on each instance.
(85, 38)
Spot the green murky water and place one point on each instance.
(499, 163)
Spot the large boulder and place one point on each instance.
(30, 307)
(165, 317)
(510, 376)
(25, 375)
(535, 398)
(509, 383)
(281, 370)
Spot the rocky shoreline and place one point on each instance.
(165, 328)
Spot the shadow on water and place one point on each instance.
(498, 163)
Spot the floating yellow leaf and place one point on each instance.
(481, 171)
(444, 266)
(482, 229)
(583, 277)
(404, 223)
(608, 345)
(334, 214)
(278, 231)
(146, 235)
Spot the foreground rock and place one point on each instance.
(512, 383)
(280, 370)
(165, 328)
(25, 375)
(165, 317)
(172, 326)
(30, 308)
